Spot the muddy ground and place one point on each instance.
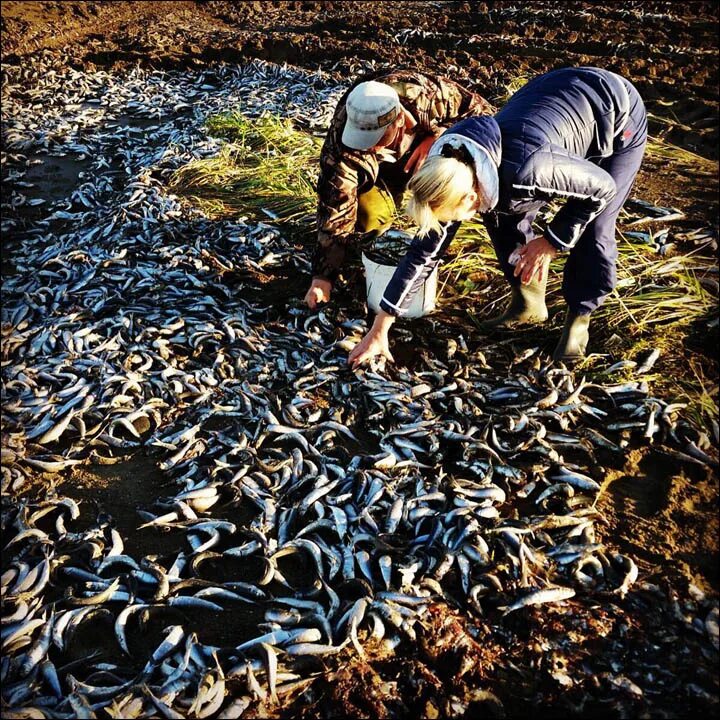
(668, 50)
(662, 514)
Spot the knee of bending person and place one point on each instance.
(375, 211)
(607, 281)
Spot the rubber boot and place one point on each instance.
(574, 338)
(527, 306)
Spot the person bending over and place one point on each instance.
(576, 135)
(380, 134)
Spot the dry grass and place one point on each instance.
(679, 156)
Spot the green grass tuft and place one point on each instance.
(266, 164)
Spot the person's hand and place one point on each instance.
(319, 292)
(419, 154)
(534, 259)
(374, 343)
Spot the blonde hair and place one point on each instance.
(441, 183)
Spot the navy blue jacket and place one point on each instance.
(546, 141)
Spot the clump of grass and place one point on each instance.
(266, 164)
(679, 156)
(509, 88)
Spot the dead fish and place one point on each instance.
(576, 479)
(621, 365)
(711, 626)
(311, 648)
(649, 362)
(175, 634)
(630, 573)
(539, 597)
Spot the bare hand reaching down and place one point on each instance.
(374, 343)
(319, 292)
(534, 259)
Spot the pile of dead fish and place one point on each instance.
(333, 506)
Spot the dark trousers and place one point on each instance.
(590, 270)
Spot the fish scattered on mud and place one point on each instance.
(133, 322)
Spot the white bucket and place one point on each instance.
(377, 278)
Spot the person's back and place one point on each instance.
(579, 109)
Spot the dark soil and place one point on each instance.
(669, 50)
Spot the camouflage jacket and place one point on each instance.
(435, 102)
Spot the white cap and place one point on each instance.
(370, 108)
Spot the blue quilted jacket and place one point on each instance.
(546, 142)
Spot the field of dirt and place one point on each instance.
(671, 56)
(662, 514)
